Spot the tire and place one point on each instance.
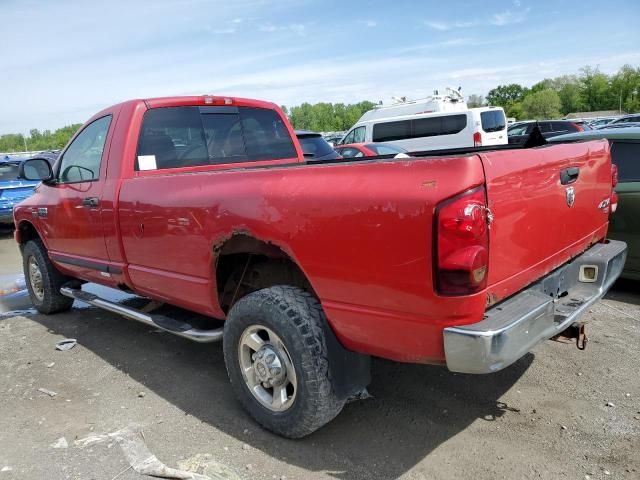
(44, 289)
(295, 318)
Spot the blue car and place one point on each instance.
(12, 190)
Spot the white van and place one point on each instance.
(434, 131)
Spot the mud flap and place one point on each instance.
(350, 371)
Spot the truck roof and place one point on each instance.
(195, 100)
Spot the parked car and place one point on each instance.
(519, 132)
(12, 189)
(334, 138)
(600, 122)
(625, 154)
(619, 125)
(356, 150)
(315, 266)
(421, 132)
(634, 118)
(314, 146)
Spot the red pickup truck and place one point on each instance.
(465, 258)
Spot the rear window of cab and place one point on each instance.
(175, 137)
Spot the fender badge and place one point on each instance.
(571, 196)
(604, 205)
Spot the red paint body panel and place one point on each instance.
(533, 220)
(362, 232)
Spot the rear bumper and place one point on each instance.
(513, 327)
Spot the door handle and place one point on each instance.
(569, 175)
(90, 202)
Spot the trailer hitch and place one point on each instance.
(575, 330)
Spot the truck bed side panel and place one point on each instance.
(361, 232)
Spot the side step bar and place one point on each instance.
(162, 322)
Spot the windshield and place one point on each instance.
(385, 149)
(8, 172)
(518, 129)
(315, 146)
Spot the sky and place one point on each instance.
(62, 61)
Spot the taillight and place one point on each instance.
(614, 181)
(462, 244)
(477, 139)
(614, 202)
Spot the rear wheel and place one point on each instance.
(43, 279)
(277, 362)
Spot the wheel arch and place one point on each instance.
(241, 256)
(245, 263)
(25, 231)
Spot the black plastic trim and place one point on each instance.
(79, 262)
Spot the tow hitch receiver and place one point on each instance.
(575, 330)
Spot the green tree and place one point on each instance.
(504, 95)
(475, 101)
(45, 140)
(325, 117)
(541, 105)
(625, 87)
(595, 91)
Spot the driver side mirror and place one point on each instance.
(36, 169)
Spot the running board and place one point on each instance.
(162, 322)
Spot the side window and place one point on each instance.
(389, 131)
(348, 152)
(442, 125)
(544, 127)
(626, 155)
(81, 161)
(349, 138)
(563, 127)
(359, 134)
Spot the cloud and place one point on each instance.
(508, 17)
(371, 23)
(437, 25)
(236, 20)
(297, 28)
(225, 30)
(444, 26)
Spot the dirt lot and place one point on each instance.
(557, 413)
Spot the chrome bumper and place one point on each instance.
(513, 327)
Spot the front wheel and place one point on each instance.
(43, 279)
(276, 358)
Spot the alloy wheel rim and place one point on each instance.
(35, 278)
(267, 368)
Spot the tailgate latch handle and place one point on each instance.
(569, 175)
(90, 202)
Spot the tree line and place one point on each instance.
(37, 140)
(590, 90)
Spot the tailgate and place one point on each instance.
(539, 223)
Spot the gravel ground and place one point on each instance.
(557, 413)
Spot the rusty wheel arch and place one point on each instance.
(244, 264)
